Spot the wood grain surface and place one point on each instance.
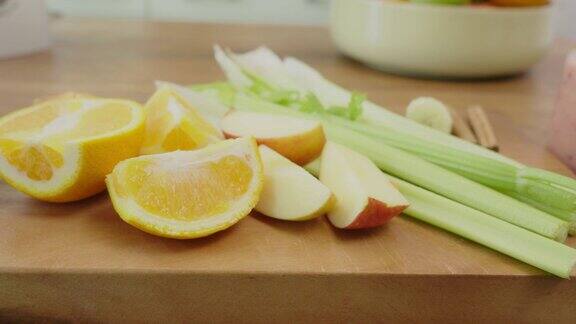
(43, 247)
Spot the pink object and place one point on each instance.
(563, 140)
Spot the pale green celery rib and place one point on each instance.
(547, 194)
(448, 184)
(534, 183)
(543, 175)
(538, 251)
(539, 185)
(565, 215)
(427, 174)
(482, 228)
(481, 168)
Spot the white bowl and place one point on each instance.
(441, 40)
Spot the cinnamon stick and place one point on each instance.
(460, 127)
(482, 128)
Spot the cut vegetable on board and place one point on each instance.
(421, 172)
(280, 139)
(534, 201)
(299, 140)
(206, 103)
(62, 149)
(491, 232)
(290, 192)
(364, 195)
(188, 194)
(173, 123)
(313, 95)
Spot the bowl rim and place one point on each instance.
(455, 8)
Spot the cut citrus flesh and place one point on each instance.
(174, 124)
(61, 150)
(188, 194)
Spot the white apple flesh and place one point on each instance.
(299, 140)
(290, 193)
(365, 197)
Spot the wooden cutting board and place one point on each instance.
(79, 261)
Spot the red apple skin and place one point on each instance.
(375, 214)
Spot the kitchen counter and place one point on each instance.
(79, 261)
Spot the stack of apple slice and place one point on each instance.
(352, 191)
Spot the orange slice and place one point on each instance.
(62, 149)
(188, 194)
(173, 124)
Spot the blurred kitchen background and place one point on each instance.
(301, 12)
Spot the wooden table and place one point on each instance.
(79, 261)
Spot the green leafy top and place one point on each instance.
(311, 104)
(224, 91)
(265, 91)
(308, 103)
(352, 112)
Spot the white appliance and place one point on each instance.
(23, 27)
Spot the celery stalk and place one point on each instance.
(491, 232)
(450, 185)
(492, 173)
(425, 174)
(563, 214)
(482, 228)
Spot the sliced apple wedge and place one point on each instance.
(290, 193)
(299, 140)
(365, 197)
